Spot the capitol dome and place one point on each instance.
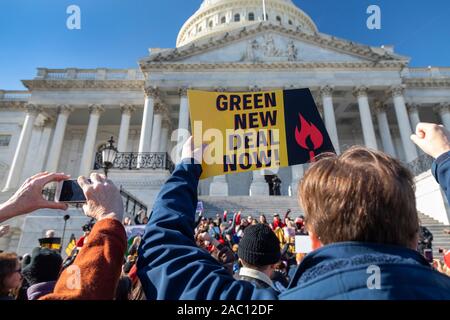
(215, 16)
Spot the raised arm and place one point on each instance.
(434, 140)
(170, 265)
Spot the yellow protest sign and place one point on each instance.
(256, 130)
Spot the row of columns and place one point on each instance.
(370, 140)
(154, 133)
(155, 128)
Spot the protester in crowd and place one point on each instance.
(50, 234)
(259, 252)
(141, 218)
(289, 232)
(42, 272)
(262, 219)
(443, 266)
(425, 243)
(10, 275)
(343, 224)
(276, 222)
(127, 221)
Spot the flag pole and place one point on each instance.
(264, 11)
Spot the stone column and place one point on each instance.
(259, 186)
(183, 118)
(54, 154)
(151, 94)
(164, 134)
(75, 151)
(219, 187)
(89, 143)
(124, 130)
(443, 109)
(160, 111)
(383, 125)
(366, 117)
(32, 157)
(413, 111)
(45, 143)
(15, 171)
(36, 161)
(297, 174)
(329, 116)
(219, 184)
(403, 123)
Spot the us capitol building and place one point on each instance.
(366, 95)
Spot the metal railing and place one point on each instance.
(89, 74)
(132, 206)
(14, 95)
(432, 72)
(138, 161)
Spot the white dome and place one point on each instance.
(216, 16)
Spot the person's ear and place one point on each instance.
(316, 244)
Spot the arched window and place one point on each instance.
(237, 17)
(199, 29)
(210, 24)
(251, 16)
(223, 20)
(290, 22)
(279, 19)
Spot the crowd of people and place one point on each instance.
(360, 217)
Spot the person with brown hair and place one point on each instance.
(10, 275)
(361, 217)
(363, 223)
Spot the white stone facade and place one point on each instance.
(367, 96)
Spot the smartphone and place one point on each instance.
(70, 192)
(428, 254)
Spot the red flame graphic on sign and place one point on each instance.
(308, 130)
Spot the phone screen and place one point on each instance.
(428, 253)
(71, 192)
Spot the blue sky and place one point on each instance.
(116, 33)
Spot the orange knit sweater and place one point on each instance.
(96, 270)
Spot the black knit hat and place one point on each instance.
(45, 266)
(259, 246)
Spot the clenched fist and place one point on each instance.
(433, 139)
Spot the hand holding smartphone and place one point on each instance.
(69, 192)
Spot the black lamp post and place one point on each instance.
(66, 217)
(109, 154)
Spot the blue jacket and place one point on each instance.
(441, 172)
(172, 267)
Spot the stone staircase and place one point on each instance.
(440, 239)
(251, 206)
(255, 206)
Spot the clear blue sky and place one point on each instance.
(116, 33)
